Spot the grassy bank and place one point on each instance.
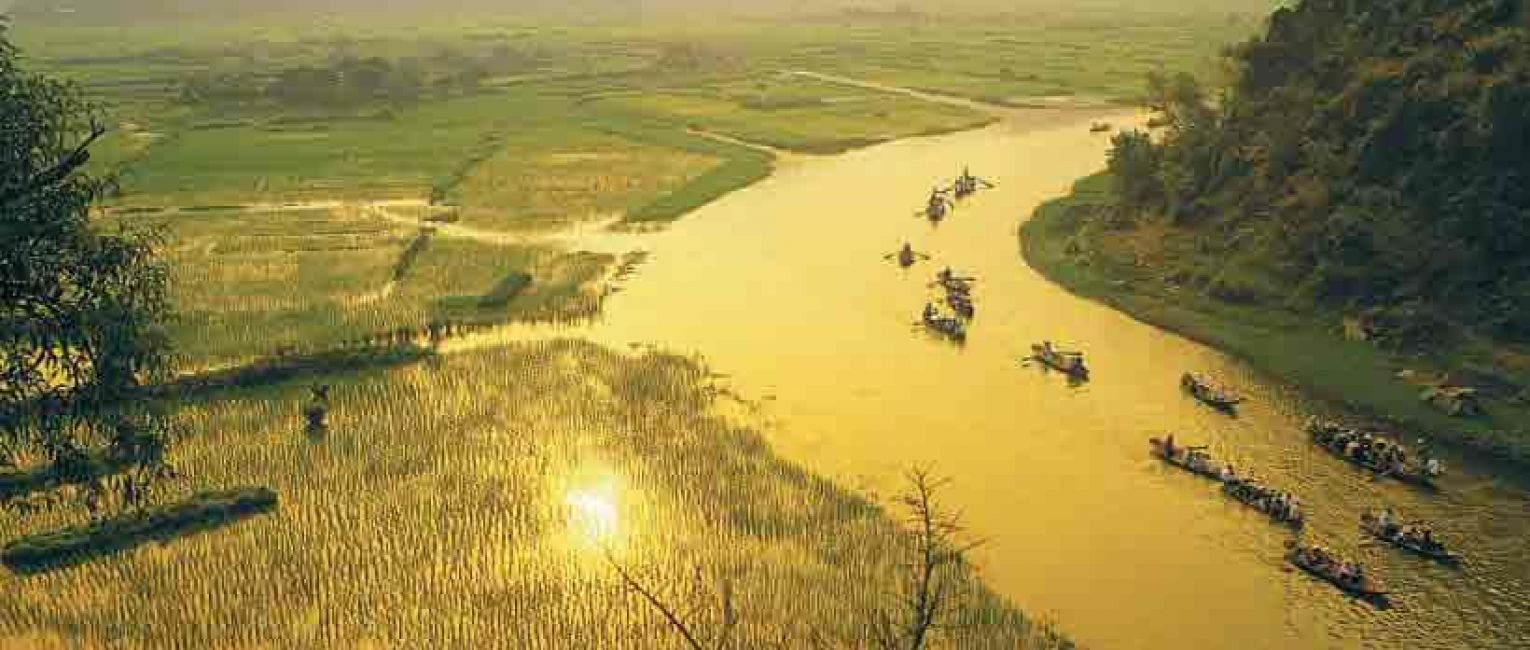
(471, 500)
(1071, 241)
(74, 545)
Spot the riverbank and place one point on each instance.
(1307, 350)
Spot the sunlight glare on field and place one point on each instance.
(593, 500)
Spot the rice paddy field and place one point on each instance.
(471, 501)
(618, 96)
(252, 283)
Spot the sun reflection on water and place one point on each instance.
(594, 501)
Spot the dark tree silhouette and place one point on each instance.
(80, 303)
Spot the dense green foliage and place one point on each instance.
(1368, 155)
(350, 81)
(80, 307)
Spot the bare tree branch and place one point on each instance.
(669, 615)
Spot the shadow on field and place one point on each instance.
(76, 545)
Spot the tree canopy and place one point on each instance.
(1369, 153)
(80, 304)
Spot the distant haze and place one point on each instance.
(100, 12)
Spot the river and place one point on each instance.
(783, 287)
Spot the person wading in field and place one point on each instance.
(317, 409)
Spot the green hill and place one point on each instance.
(1368, 162)
(1370, 154)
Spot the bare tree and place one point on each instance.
(700, 597)
(931, 593)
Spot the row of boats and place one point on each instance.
(943, 199)
(950, 314)
(957, 296)
(1374, 452)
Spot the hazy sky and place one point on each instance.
(110, 10)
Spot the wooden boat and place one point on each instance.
(937, 209)
(1203, 391)
(1191, 459)
(961, 303)
(906, 256)
(1319, 563)
(1371, 524)
(1250, 494)
(951, 328)
(966, 185)
(952, 283)
(1099, 127)
(1071, 363)
(1335, 439)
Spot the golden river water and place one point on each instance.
(783, 287)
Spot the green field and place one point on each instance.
(252, 283)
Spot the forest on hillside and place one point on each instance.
(1369, 156)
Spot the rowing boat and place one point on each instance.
(949, 327)
(1068, 362)
(1317, 563)
(1259, 498)
(1193, 459)
(1203, 391)
(1435, 551)
(961, 304)
(1335, 439)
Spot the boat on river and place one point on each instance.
(1206, 393)
(1409, 538)
(966, 185)
(1373, 452)
(1192, 459)
(937, 207)
(961, 304)
(1280, 507)
(906, 256)
(949, 281)
(1347, 576)
(951, 328)
(1065, 361)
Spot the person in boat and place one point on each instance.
(1168, 441)
(929, 312)
(1416, 534)
(937, 203)
(1433, 467)
(1228, 475)
(1386, 522)
(966, 183)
